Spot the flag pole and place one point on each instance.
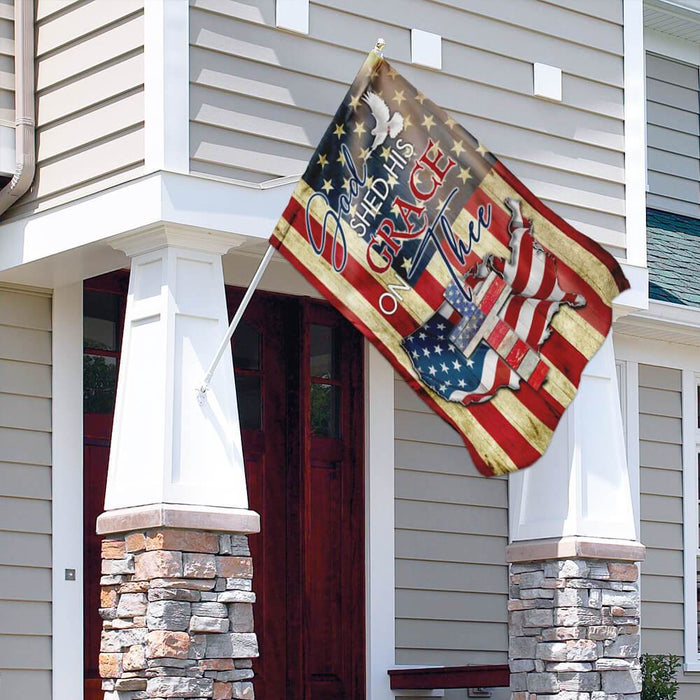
(202, 389)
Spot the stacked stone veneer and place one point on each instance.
(574, 630)
(177, 612)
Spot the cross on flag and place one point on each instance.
(483, 299)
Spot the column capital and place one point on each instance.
(575, 548)
(163, 235)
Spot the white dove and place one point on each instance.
(385, 126)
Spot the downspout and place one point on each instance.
(24, 106)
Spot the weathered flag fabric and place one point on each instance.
(487, 303)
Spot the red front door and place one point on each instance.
(299, 383)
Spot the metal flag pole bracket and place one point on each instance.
(202, 389)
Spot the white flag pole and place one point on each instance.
(202, 389)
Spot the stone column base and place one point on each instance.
(573, 627)
(177, 611)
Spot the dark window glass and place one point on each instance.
(323, 351)
(99, 383)
(249, 401)
(246, 347)
(100, 320)
(325, 410)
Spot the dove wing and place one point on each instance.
(379, 109)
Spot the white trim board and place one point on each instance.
(67, 492)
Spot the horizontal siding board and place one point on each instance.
(25, 344)
(446, 517)
(99, 48)
(448, 657)
(660, 428)
(25, 515)
(674, 187)
(79, 21)
(671, 118)
(24, 617)
(15, 683)
(25, 481)
(665, 161)
(28, 412)
(25, 310)
(665, 139)
(655, 481)
(451, 605)
(675, 72)
(660, 455)
(665, 403)
(667, 204)
(25, 446)
(427, 545)
(463, 576)
(663, 615)
(451, 634)
(25, 583)
(663, 509)
(662, 562)
(25, 549)
(663, 642)
(25, 652)
(672, 94)
(662, 589)
(662, 535)
(431, 485)
(664, 378)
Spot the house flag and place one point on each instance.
(484, 300)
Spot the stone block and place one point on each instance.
(514, 605)
(538, 618)
(567, 568)
(132, 604)
(108, 597)
(606, 664)
(521, 665)
(135, 542)
(552, 651)
(135, 658)
(235, 675)
(162, 644)
(569, 666)
(243, 691)
(602, 632)
(130, 684)
(533, 579)
(158, 564)
(234, 567)
(133, 587)
(542, 683)
(116, 640)
(222, 691)
(581, 682)
(622, 599)
(208, 624)
(622, 681)
(581, 650)
(197, 565)
(623, 572)
(239, 546)
(624, 646)
(179, 687)
(118, 567)
(571, 597)
(236, 597)
(237, 584)
(210, 609)
(599, 571)
(595, 598)
(534, 593)
(563, 633)
(576, 617)
(110, 665)
(191, 584)
(168, 615)
(216, 664)
(183, 540)
(241, 617)
(174, 594)
(113, 549)
(231, 645)
(522, 647)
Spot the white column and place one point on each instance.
(166, 447)
(67, 492)
(580, 487)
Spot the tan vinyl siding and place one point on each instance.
(7, 63)
(261, 98)
(25, 494)
(673, 130)
(451, 532)
(90, 101)
(661, 509)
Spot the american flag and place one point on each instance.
(487, 303)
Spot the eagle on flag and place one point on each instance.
(484, 300)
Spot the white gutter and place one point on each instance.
(24, 106)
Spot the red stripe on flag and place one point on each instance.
(564, 356)
(497, 334)
(538, 376)
(584, 241)
(492, 293)
(517, 353)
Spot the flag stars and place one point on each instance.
(441, 204)
(355, 101)
(465, 174)
(444, 367)
(457, 148)
(422, 335)
(406, 265)
(392, 180)
(470, 362)
(414, 354)
(481, 150)
(426, 352)
(322, 160)
(438, 350)
(432, 371)
(359, 128)
(462, 384)
(327, 186)
(391, 72)
(428, 121)
(386, 152)
(346, 184)
(364, 154)
(441, 326)
(407, 121)
(443, 388)
(339, 130)
(420, 97)
(450, 122)
(399, 97)
(456, 364)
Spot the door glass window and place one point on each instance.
(325, 386)
(247, 361)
